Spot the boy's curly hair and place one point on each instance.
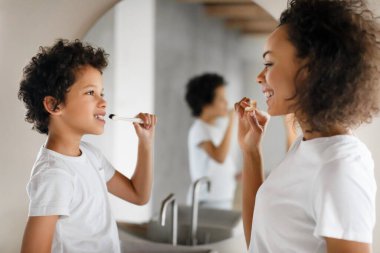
(340, 41)
(51, 73)
(200, 91)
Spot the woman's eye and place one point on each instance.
(268, 64)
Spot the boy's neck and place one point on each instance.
(209, 119)
(64, 144)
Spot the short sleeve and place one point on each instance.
(50, 192)
(200, 134)
(344, 201)
(109, 170)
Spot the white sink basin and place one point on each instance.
(205, 235)
(134, 239)
(219, 231)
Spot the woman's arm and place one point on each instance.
(344, 246)
(38, 235)
(251, 128)
(252, 179)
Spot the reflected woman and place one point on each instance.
(321, 64)
(209, 140)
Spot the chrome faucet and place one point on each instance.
(170, 199)
(194, 211)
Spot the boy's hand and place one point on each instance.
(145, 131)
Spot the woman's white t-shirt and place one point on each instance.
(324, 187)
(75, 189)
(222, 175)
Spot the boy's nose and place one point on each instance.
(103, 102)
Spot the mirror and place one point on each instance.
(155, 47)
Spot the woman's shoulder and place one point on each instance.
(345, 149)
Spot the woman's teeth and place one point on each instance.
(268, 94)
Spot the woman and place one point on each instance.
(320, 64)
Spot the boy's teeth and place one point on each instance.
(99, 117)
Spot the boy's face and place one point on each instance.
(84, 106)
(219, 106)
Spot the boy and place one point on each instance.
(209, 140)
(69, 210)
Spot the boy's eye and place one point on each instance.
(102, 94)
(91, 92)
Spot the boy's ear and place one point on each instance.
(50, 104)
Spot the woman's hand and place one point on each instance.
(251, 126)
(145, 131)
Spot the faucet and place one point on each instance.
(194, 211)
(170, 199)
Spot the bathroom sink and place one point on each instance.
(150, 238)
(205, 234)
(219, 231)
(210, 217)
(142, 244)
(154, 232)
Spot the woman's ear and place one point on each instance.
(51, 106)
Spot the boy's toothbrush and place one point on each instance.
(133, 120)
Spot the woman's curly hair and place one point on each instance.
(340, 41)
(51, 73)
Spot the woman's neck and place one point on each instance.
(309, 133)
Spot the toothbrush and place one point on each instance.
(133, 120)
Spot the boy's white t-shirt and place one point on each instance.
(324, 187)
(75, 189)
(222, 175)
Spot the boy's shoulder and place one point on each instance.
(46, 163)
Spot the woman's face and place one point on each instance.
(278, 76)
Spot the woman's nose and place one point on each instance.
(261, 77)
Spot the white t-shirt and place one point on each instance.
(222, 175)
(324, 187)
(75, 189)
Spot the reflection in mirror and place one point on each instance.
(156, 48)
(150, 65)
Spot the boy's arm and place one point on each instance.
(219, 153)
(38, 235)
(338, 245)
(137, 189)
